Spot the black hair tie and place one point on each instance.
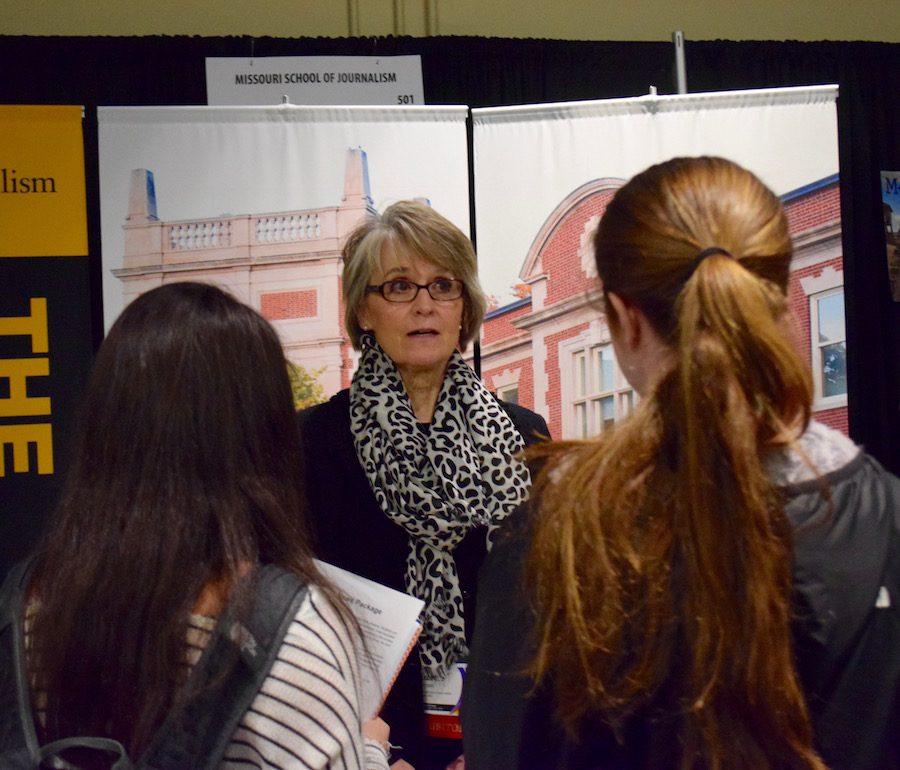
(708, 253)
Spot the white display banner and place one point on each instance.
(259, 201)
(317, 80)
(543, 176)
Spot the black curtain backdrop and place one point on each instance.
(483, 72)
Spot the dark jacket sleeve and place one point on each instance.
(531, 426)
(496, 689)
(847, 600)
(495, 700)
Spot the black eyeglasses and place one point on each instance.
(403, 290)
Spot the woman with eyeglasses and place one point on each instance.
(412, 469)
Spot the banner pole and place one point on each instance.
(680, 66)
(470, 152)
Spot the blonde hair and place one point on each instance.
(417, 227)
(661, 560)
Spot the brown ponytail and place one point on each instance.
(662, 557)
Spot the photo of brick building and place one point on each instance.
(286, 264)
(550, 350)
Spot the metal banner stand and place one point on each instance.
(680, 67)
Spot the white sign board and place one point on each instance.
(315, 80)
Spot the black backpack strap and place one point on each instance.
(18, 738)
(107, 745)
(196, 734)
(12, 593)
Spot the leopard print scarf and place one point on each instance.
(436, 483)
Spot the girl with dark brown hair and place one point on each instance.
(713, 583)
(182, 484)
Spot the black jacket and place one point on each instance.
(847, 642)
(350, 530)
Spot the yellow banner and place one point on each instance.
(42, 199)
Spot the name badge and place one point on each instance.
(442, 700)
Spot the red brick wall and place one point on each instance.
(834, 418)
(526, 379)
(346, 364)
(500, 327)
(799, 304)
(559, 257)
(279, 306)
(554, 383)
(814, 210)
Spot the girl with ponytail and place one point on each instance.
(699, 587)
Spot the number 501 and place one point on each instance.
(405, 99)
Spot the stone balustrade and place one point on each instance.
(287, 227)
(152, 245)
(203, 234)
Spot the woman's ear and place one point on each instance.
(628, 320)
(640, 351)
(362, 317)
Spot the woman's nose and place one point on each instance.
(423, 301)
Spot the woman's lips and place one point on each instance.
(422, 332)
